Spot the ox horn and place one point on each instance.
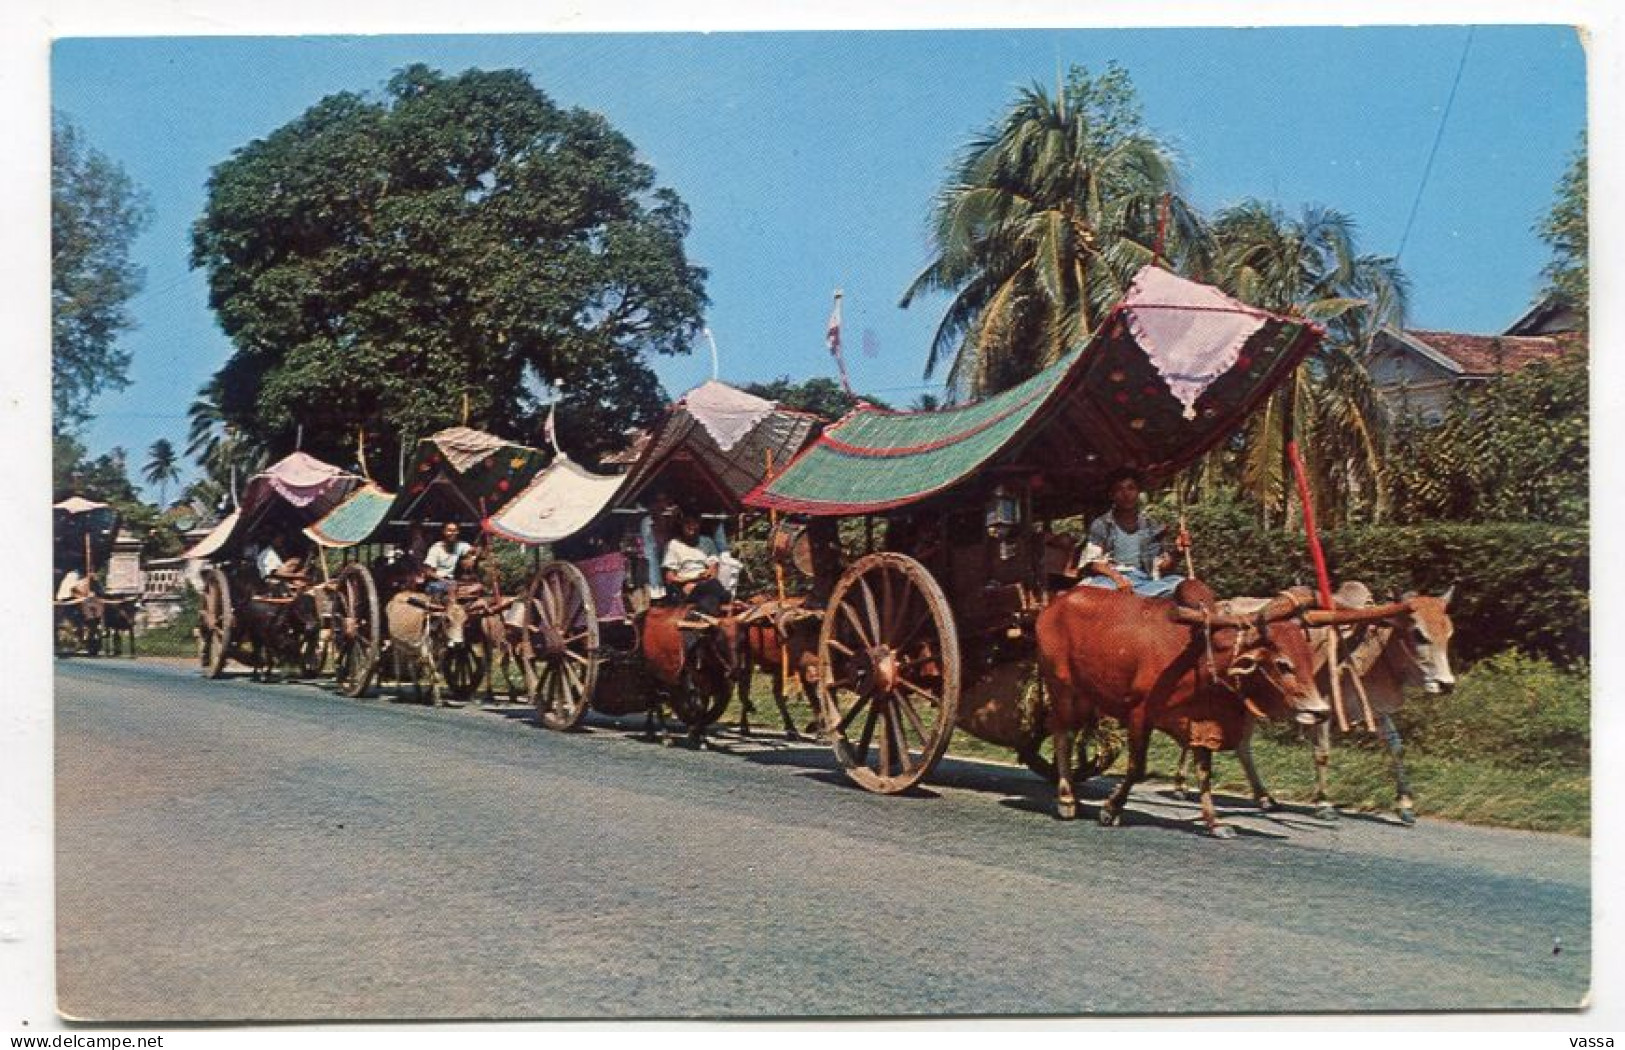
(1339, 617)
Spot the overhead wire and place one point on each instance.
(1438, 136)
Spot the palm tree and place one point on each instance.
(1045, 218)
(224, 451)
(163, 466)
(1310, 267)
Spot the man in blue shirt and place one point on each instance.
(1125, 548)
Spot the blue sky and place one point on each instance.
(810, 159)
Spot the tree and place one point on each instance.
(96, 213)
(163, 466)
(106, 479)
(377, 260)
(1310, 267)
(819, 395)
(1565, 228)
(227, 455)
(1515, 450)
(1044, 219)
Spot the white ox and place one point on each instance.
(1376, 662)
(421, 632)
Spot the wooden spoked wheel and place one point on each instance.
(313, 647)
(1092, 753)
(559, 645)
(357, 629)
(215, 622)
(462, 669)
(888, 662)
(702, 696)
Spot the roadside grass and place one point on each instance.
(1509, 747)
(176, 638)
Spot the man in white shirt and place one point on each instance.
(441, 560)
(690, 571)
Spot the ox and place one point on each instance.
(778, 633)
(1390, 648)
(275, 629)
(421, 632)
(1138, 660)
(494, 626)
(118, 619)
(696, 662)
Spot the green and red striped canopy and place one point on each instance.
(1108, 404)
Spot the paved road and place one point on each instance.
(230, 851)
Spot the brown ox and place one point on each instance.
(695, 661)
(1377, 659)
(778, 634)
(1139, 660)
(273, 630)
(421, 632)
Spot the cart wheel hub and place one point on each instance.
(552, 641)
(883, 662)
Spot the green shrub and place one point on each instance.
(1518, 586)
(1513, 710)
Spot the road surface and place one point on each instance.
(233, 851)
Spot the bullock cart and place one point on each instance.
(283, 619)
(457, 476)
(594, 630)
(931, 629)
(83, 532)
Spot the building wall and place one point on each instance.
(1409, 383)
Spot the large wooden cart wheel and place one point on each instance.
(357, 629)
(558, 644)
(888, 663)
(215, 621)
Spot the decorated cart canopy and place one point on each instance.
(558, 503)
(459, 474)
(1171, 371)
(291, 493)
(713, 447)
(354, 519)
(82, 533)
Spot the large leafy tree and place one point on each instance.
(1044, 219)
(1566, 229)
(1310, 266)
(378, 260)
(96, 213)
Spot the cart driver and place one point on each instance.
(690, 569)
(440, 563)
(276, 566)
(1125, 547)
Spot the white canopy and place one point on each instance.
(558, 503)
(216, 538)
(77, 505)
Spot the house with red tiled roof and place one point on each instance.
(1417, 370)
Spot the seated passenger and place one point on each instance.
(277, 567)
(440, 562)
(690, 569)
(1125, 548)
